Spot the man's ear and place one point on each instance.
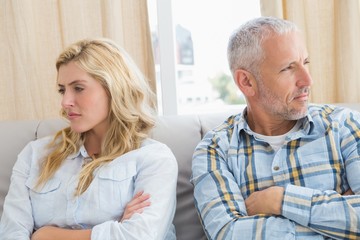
(245, 82)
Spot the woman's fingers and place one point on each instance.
(136, 205)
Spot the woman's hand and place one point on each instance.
(43, 233)
(136, 205)
(56, 233)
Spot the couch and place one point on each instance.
(180, 133)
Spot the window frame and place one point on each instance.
(167, 95)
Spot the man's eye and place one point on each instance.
(287, 68)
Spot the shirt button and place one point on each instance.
(276, 168)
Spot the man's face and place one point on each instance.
(284, 85)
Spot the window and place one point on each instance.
(190, 40)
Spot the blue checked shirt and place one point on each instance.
(316, 164)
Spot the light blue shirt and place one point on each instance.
(316, 164)
(151, 168)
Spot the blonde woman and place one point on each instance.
(102, 177)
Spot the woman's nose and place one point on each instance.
(67, 100)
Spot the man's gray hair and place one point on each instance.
(245, 44)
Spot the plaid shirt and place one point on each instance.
(316, 164)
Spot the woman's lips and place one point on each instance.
(72, 116)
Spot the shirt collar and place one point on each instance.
(81, 152)
(307, 122)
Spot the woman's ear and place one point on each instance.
(245, 82)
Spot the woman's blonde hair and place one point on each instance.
(131, 114)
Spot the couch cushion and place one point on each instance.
(181, 134)
(14, 136)
(212, 120)
(49, 127)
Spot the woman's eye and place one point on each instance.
(61, 91)
(78, 89)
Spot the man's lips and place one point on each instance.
(302, 97)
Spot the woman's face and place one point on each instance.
(84, 100)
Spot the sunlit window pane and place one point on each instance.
(202, 29)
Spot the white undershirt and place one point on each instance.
(277, 141)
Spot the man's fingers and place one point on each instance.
(348, 192)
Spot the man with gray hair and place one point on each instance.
(283, 168)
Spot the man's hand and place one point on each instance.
(267, 201)
(348, 192)
(136, 205)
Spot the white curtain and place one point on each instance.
(332, 33)
(34, 32)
